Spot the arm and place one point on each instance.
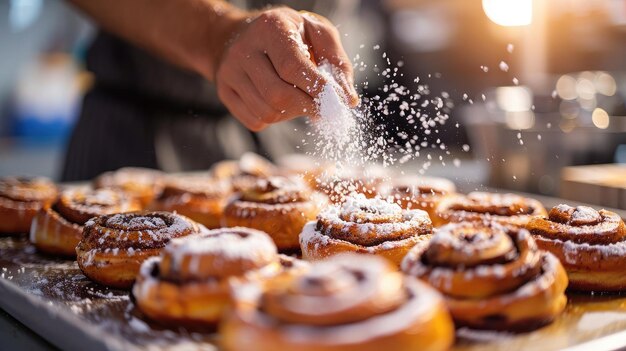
(263, 72)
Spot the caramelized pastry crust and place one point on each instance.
(349, 302)
(507, 209)
(114, 246)
(279, 206)
(418, 193)
(492, 276)
(364, 225)
(20, 200)
(57, 229)
(250, 164)
(191, 283)
(142, 184)
(591, 245)
(200, 198)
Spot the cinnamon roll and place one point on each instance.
(343, 182)
(362, 225)
(20, 200)
(190, 284)
(492, 276)
(420, 193)
(143, 184)
(200, 198)
(590, 244)
(508, 209)
(114, 246)
(57, 229)
(250, 164)
(279, 206)
(307, 167)
(350, 302)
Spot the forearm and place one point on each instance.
(189, 33)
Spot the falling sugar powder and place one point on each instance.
(336, 120)
(504, 67)
(357, 138)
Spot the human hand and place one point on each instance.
(267, 74)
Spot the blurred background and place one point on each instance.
(536, 87)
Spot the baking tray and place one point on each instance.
(53, 298)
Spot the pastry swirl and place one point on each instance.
(349, 302)
(307, 167)
(344, 182)
(591, 245)
(200, 198)
(191, 282)
(57, 229)
(143, 184)
(493, 276)
(250, 164)
(364, 225)
(507, 209)
(279, 206)
(418, 193)
(21, 199)
(113, 246)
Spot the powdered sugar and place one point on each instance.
(375, 208)
(230, 243)
(136, 222)
(336, 122)
(585, 214)
(364, 214)
(572, 249)
(452, 235)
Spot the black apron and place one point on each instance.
(145, 112)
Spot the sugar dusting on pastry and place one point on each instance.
(357, 202)
(227, 242)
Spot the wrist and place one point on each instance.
(216, 38)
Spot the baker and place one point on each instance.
(164, 71)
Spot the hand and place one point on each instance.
(267, 74)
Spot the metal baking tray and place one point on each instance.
(53, 298)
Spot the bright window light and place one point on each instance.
(509, 13)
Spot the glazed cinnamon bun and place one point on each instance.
(190, 284)
(20, 200)
(507, 209)
(143, 184)
(418, 193)
(57, 229)
(250, 164)
(350, 302)
(361, 225)
(492, 276)
(591, 245)
(200, 198)
(279, 206)
(113, 246)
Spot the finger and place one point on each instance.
(291, 59)
(256, 104)
(238, 108)
(325, 43)
(279, 94)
